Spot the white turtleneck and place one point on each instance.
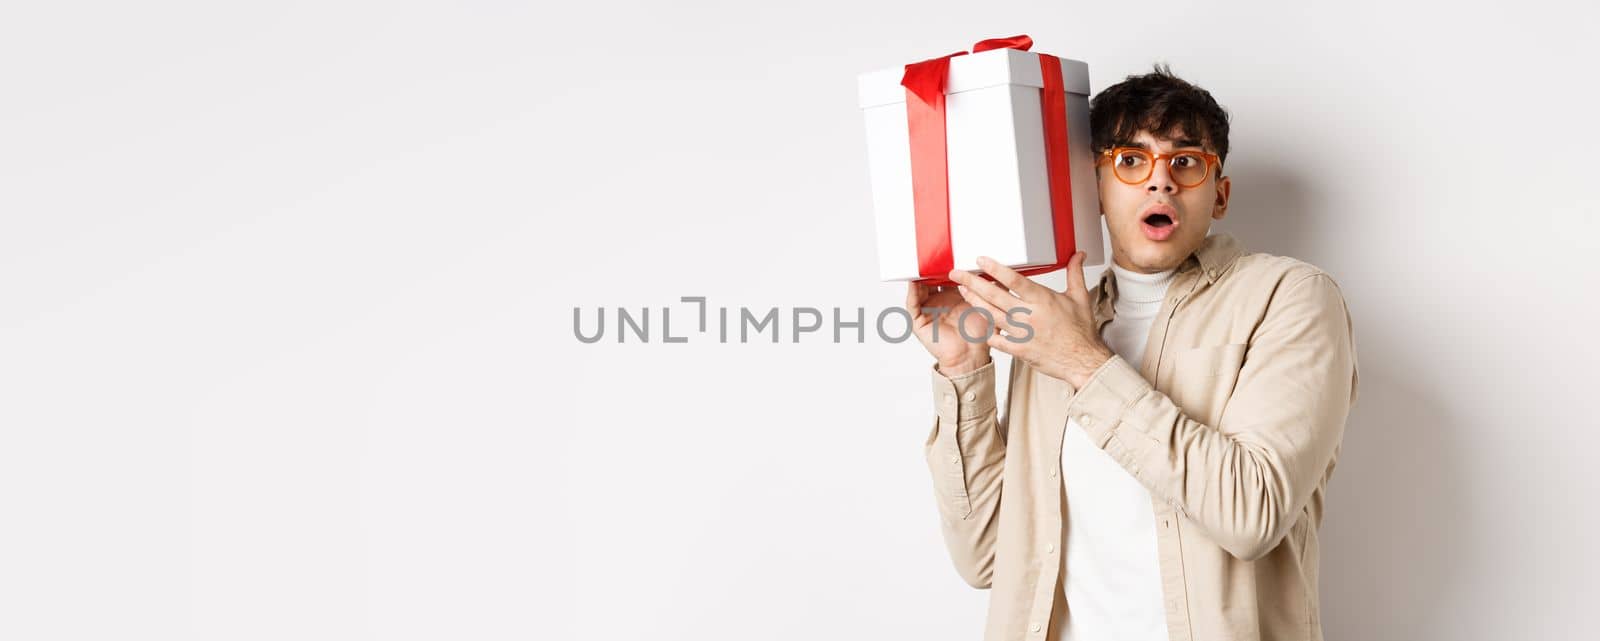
(1111, 571)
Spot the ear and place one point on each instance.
(1100, 191)
(1220, 208)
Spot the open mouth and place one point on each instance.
(1158, 222)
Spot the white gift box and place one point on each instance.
(999, 191)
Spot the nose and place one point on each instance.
(1161, 179)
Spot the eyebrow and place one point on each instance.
(1179, 144)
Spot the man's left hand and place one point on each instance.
(1065, 343)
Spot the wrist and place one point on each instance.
(965, 366)
(1086, 369)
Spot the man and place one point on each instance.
(1160, 469)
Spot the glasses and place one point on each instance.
(1133, 165)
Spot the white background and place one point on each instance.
(286, 297)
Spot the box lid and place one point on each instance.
(975, 71)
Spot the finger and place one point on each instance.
(917, 303)
(995, 314)
(1076, 286)
(1003, 343)
(1023, 288)
(986, 289)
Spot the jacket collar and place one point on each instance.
(1216, 255)
(1212, 259)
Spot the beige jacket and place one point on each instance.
(1254, 367)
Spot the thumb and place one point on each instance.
(1076, 287)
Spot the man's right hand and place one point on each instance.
(956, 355)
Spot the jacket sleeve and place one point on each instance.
(1245, 480)
(966, 455)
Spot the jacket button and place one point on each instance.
(970, 396)
(1034, 627)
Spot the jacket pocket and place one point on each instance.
(1203, 378)
(1208, 360)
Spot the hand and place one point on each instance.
(1063, 342)
(940, 330)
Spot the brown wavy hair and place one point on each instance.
(1162, 104)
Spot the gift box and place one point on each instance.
(981, 154)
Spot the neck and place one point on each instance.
(1137, 287)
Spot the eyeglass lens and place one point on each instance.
(1188, 169)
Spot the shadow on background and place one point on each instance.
(1390, 546)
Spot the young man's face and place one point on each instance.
(1141, 241)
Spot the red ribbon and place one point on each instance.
(930, 177)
